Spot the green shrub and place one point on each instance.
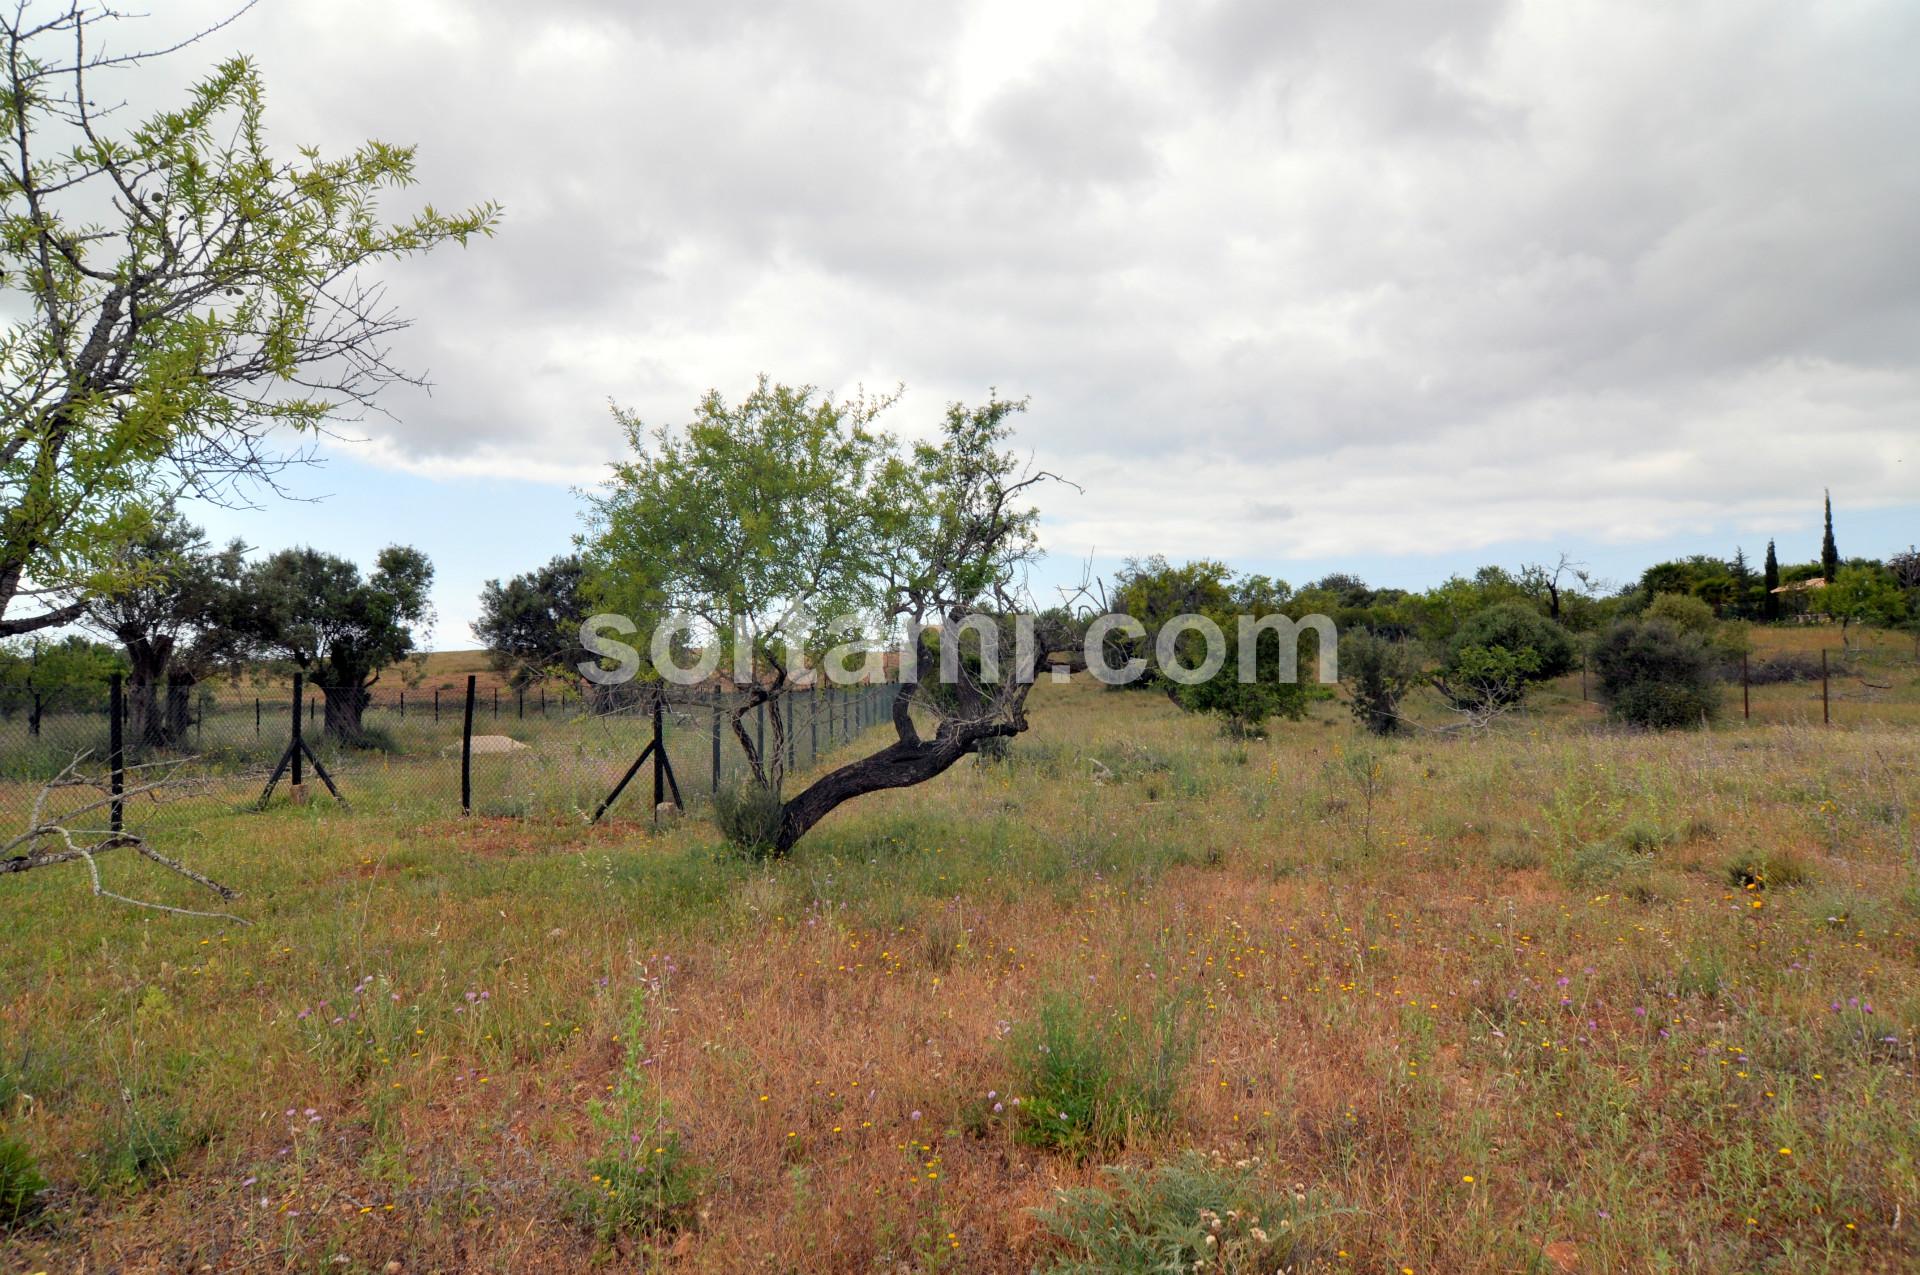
(1244, 708)
(1650, 674)
(1198, 1213)
(748, 815)
(1091, 1082)
(1683, 612)
(1377, 674)
(1499, 652)
(20, 1183)
(1516, 857)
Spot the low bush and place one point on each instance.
(1498, 653)
(1653, 675)
(1775, 669)
(142, 1146)
(1377, 674)
(1769, 870)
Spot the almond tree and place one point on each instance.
(792, 521)
(179, 299)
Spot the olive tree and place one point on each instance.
(172, 608)
(179, 299)
(339, 627)
(530, 625)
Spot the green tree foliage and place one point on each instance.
(68, 675)
(1498, 653)
(176, 295)
(1649, 673)
(765, 519)
(530, 625)
(1245, 707)
(1378, 672)
(792, 520)
(1865, 593)
(174, 609)
(1438, 614)
(339, 627)
(1154, 591)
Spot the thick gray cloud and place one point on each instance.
(1306, 278)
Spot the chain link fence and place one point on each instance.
(185, 754)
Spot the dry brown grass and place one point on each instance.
(1378, 1009)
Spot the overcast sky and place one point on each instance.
(1377, 282)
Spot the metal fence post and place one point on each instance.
(716, 739)
(298, 752)
(521, 704)
(1826, 708)
(436, 703)
(256, 717)
(403, 706)
(793, 744)
(116, 748)
(496, 702)
(466, 753)
(813, 723)
(659, 760)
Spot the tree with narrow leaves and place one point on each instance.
(339, 627)
(761, 523)
(178, 300)
(792, 521)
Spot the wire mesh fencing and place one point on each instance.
(180, 755)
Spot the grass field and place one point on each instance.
(1551, 997)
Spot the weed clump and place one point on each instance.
(1197, 1213)
(21, 1183)
(748, 815)
(1092, 1081)
(643, 1182)
(1757, 870)
(142, 1146)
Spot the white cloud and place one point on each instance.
(1380, 276)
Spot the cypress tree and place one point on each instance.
(1770, 579)
(1829, 554)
